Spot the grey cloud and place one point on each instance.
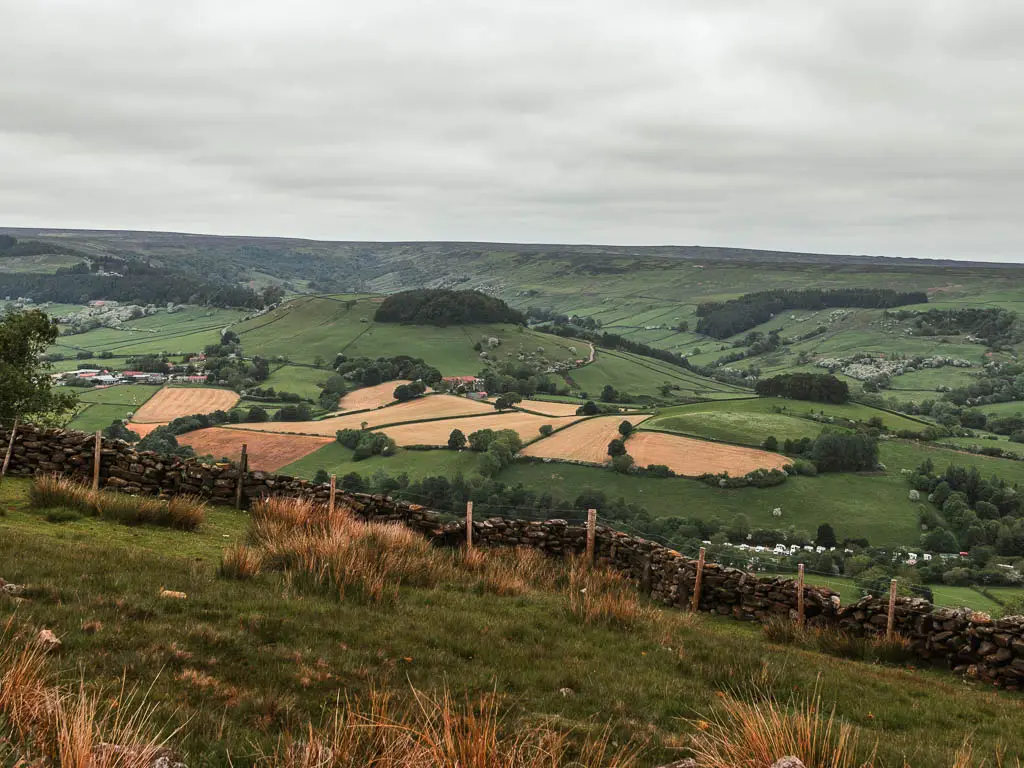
(871, 127)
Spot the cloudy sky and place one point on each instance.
(880, 127)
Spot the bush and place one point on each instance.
(457, 440)
(589, 408)
(622, 463)
(616, 448)
(770, 443)
(805, 467)
(240, 562)
(546, 429)
(625, 428)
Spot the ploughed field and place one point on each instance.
(174, 402)
(267, 453)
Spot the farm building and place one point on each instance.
(466, 383)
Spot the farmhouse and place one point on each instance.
(466, 383)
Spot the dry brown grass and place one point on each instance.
(744, 735)
(73, 728)
(53, 491)
(436, 732)
(513, 571)
(241, 562)
(601, 596)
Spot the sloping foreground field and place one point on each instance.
(690, 457)
(430, 407)
(267, 452)
(174, 402)
(436, 432)
(370, 397)
(587, 441)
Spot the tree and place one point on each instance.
(616, 448)
(589, 408)
(118, 431)
(609, 395)
(739, 528)
(457, 440)
(626, 429)
(940, 540)
(25, 385)
(622, 463)
(256, 414)
(826, 536)
(507, 400)
(546, 429)
(404, 392)
(321, 477)
(770, 443)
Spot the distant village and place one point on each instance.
(188, 372)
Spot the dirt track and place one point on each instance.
(267, 452)
(437, 432)
(174, 402)
(586, 441)
(687, 456)
(429, 407)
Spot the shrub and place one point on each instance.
(589, 408)
(240, 562)
(783, 631)
(546, 429)
(770, 443)
(625, 428)
(457, 439)
(622, 463)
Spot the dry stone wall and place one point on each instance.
(967, 642)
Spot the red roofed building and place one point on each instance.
(469, 383)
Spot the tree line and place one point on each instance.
(721, 319)
(818, 387)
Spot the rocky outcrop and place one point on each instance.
(967, 642)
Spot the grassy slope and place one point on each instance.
(237, 662)
(638, 375)
(337, 459)
(322, 327)
(752, 420)
(301, 380)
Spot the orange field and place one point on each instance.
(370, 397)
(687, 456)
(144, 429)
(429, 407)
(267, 453)
(549, 409)
(174, 402)
(586, 441)
(437, 432)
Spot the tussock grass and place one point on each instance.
(784, 631)
(741, 734)
(241, 562)
(53, 491)
(601, 596)
(436, 732)
(73, 728)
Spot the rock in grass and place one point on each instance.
(49, 641)
(788, 762)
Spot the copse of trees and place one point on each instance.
(368, 372)
(406, 392)
(721, 319)
(818, 387)
(365, 444)
(441, 307)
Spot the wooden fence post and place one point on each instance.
(469, 525)
(892, 609)
(97, 452)
(591, 536)
(10, 448)
(695, 601)
(800, 595)
(334, 492)
(243, 465)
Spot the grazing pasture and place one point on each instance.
(267, 452)
(586, 441)
(174, 402)
(689, 457)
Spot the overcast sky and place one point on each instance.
(891, 128)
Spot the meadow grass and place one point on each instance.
(247, 667)
(335, 458)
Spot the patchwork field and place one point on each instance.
(429, 407)
(549, 409)
(436, 432)
(370, 397)
(586, 441)
(267, 453)
(144, 429)
(174, 402)
(691, 458)
(103, 405)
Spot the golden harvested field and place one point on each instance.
(429, 407)
(267, 452)
(586, 441)
(144, 429)
(687, 456)
(549, 409)
(370, 397)
(174, 402)
(437, 432)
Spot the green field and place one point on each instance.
(644, 376)
(750, 421)
(102, 406)
(239, 664)
(301, 380)
(188, 330)
(323, 327)
(1012, 408)
(337, 459)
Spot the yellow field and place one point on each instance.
(429, 407)
(437, 432)
(370, 397)
(174, 402)
(586, 441)
(687, 456)
(267, 453)
(548, 409)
